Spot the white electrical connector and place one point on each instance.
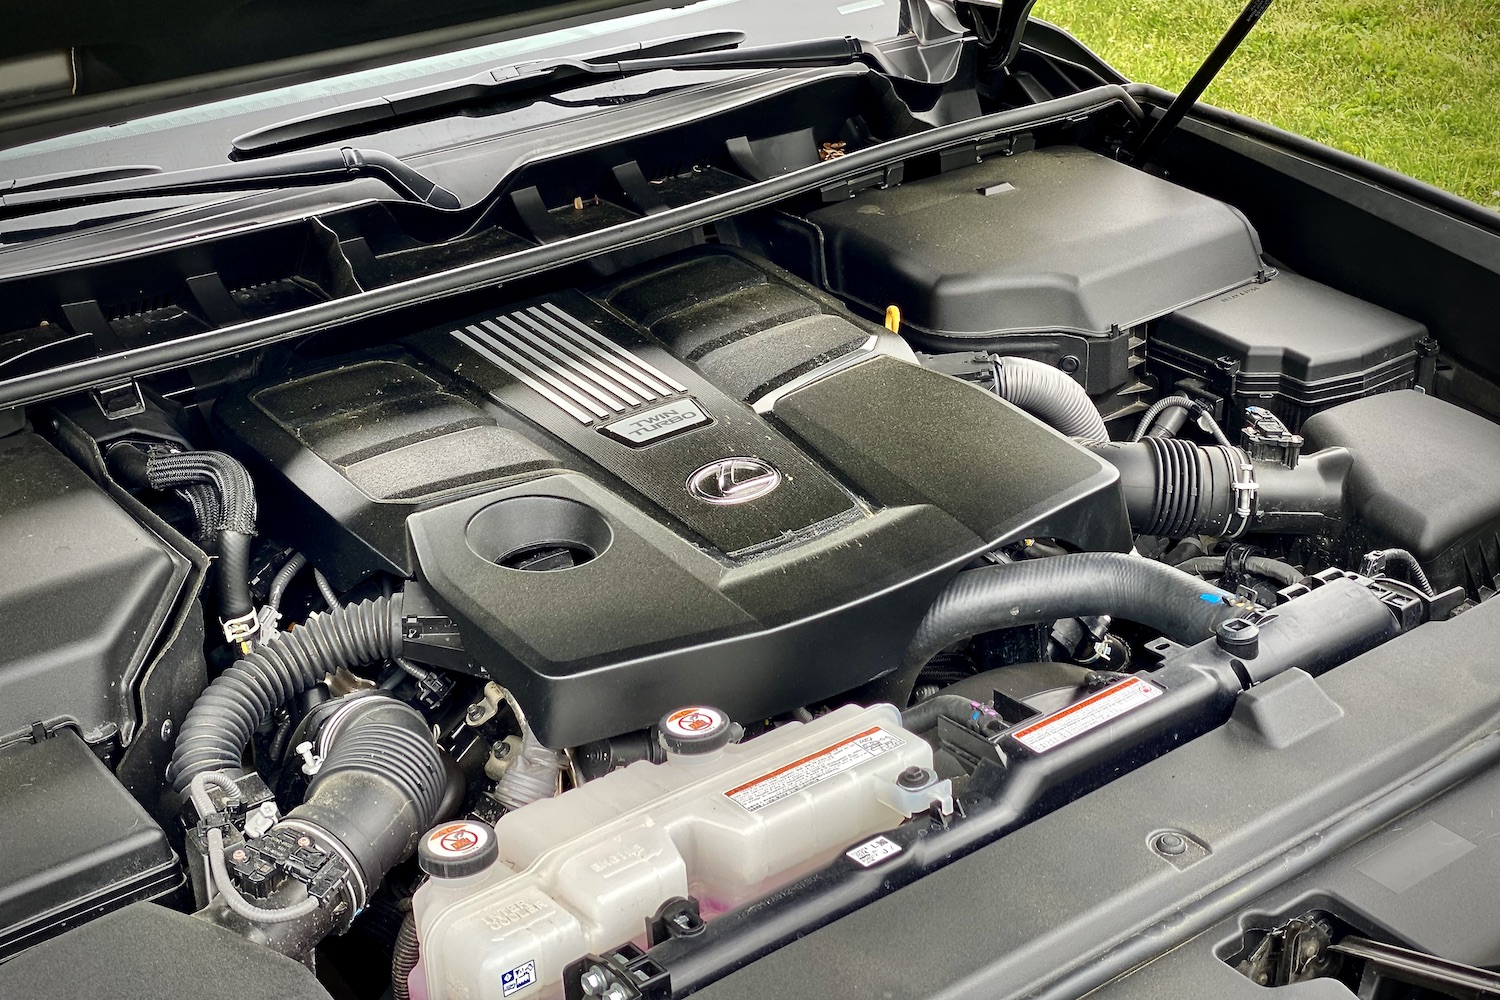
(258, 821)
(268, 618)
(311, 762)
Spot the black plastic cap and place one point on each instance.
(694, 730)
(1239, 637)
(458, 849)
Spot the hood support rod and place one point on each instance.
(1205, 74)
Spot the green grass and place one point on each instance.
(1410, 84)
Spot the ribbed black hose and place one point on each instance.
(283, 579)
(1180, 407)
(1051, 396)
(380, 786)
(1176, 488)
(1176, 604)
(276, 749)
(404, 956)
(403, 755)
(217, 729)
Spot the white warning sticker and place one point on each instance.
(872, 852)
(1090, 713)
(808, 771)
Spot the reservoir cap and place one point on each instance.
(458, 849)
(694, 730)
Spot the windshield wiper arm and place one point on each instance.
(329, 166)
(714, 50)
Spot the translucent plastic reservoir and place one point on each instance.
(582, 872)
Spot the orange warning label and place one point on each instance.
(1090, 713)
(808, 771)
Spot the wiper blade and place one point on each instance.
(330, 166)
(69, 178)
(713, 50)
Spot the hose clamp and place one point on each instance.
(243, 629)
(1245, 490)
(329, 726)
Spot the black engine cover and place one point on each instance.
(704, 483)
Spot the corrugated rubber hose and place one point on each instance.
(380, 786)
(1051, 396)
(1178, 605)
(217, 729)
(283, 579)
(405, 955)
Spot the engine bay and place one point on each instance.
(596, 634)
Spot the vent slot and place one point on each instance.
(568, 362)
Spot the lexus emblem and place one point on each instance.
(733, 480)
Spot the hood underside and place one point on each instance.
(78, 62)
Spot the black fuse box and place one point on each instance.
(1290, 345)
(73, 843)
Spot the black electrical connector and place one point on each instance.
(1266, 439)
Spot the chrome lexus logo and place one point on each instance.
(733, 480)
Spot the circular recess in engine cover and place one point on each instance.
(538, 534)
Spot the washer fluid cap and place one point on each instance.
(458, 849)
(694, 730)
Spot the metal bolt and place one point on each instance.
(914, 778)
(304, 841)
(1171, 844)
(166, 730)
(615, 992)
(593, 981)
(238, 856)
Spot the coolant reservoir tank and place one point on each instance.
(722, 822)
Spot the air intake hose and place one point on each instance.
(1174, 603)
(1051, 396)
(379, 787)
(380, 783)
(217, 729)
(1176, 488)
